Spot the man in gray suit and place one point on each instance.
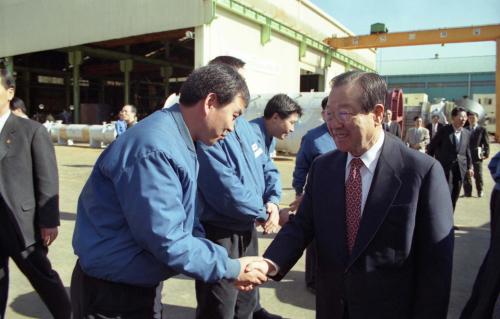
(389, 125)
(380, 214)
(29, 204)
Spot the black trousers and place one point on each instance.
(96, 298)
(487, 285)
(221, 300)
(311, 263)
(454, 179)
(478, 177)
(35, 265)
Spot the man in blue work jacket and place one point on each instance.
(239, 186)
(137, 210)
(280, 116)
(315, 142)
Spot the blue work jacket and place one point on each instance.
(137, 210)
(266, 141)
(315, 142)
(236, 180)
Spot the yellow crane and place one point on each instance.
(423, 37)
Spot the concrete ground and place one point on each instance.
(289, 297)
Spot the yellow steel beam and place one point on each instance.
(437, 36)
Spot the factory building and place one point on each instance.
(448, 78)
(95, 56)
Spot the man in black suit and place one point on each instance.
(450, 146)
(434, 126)
(29, 204)
(389, 125)
(480, 150)
(380, 215)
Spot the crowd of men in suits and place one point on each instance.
(182, 191)
(460, 147)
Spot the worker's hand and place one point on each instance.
(470, 172)
(296, 203)
(272, 222)
(250, 277)
(48, 235)
(285, 215)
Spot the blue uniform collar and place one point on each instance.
(268, 138)
(175, 110)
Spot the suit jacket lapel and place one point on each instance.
(385, 185)
(7, 135)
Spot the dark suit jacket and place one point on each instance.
(443, 147)
(401, 262)
(429, 127)
(479, 138)
(29, 186)
(394, 129)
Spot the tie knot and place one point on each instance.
(356, 162)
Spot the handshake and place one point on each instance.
(253, 272)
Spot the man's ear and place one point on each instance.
(10, 94)
(378, 112)
(210, 102)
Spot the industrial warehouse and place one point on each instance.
(113, 83)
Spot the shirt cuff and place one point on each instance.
(276, 268)
(233, 269)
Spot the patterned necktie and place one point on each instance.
(353, 193)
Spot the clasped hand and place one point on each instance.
(253, 272)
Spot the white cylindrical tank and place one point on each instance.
(101, 135)
(52, 128)
(67, 134)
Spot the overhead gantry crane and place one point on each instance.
(424, 37)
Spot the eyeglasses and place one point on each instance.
(341, 116)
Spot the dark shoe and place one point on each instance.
(480, 194)
(456, 227)
(263, 314)
(467, 195)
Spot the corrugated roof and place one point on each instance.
(473, 64)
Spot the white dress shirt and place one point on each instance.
(458, 135)
(3, 119)
(370, 160)
(434, 128)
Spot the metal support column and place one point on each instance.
(9, 64)
(497, 92)
(102, 91)
(126, 66)
(75, 59)
(27, 91)
(166, 73)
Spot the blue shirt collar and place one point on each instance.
(262, 125)
(175, 110)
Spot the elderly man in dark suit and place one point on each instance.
(480, 150)
(379, 212)
(434, 126)
(29, 204)
(389, 125)
(450, 146)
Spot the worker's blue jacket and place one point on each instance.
(267, 142)
(315, 142)
(236, 180)
(137, 210)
